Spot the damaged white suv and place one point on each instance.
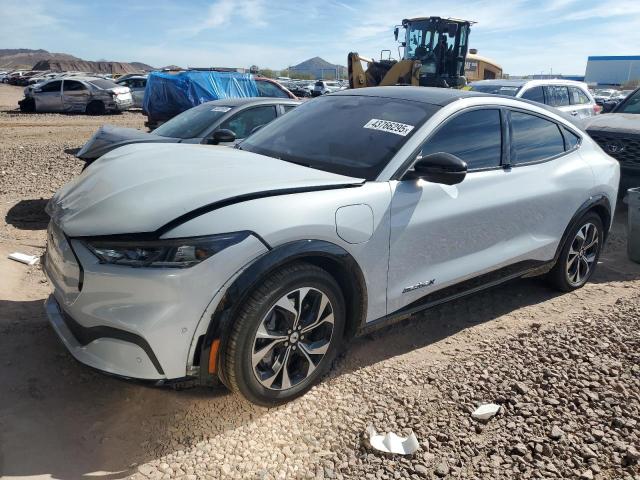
(254, 265)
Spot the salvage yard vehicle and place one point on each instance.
(357, 209)
(221, 122)
(618, 133)
(136, 84)
(322, 87)
(169, 94)
(568, 96)
(94, 96)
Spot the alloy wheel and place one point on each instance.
(292, 338)
(583, 253)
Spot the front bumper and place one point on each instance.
(108, 349)
(141, 323)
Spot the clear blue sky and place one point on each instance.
(525, 36)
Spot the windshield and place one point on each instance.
(630, 104)
(419, 39)
(496, 89)
(192, 123)
(104, 84)
(343, 134)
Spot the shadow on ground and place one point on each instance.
(28, 215)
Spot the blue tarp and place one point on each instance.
(167, 95)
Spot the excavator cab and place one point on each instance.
(440, 45)
(434, 55)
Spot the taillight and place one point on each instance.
(597, 109)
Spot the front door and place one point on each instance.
(49, 97)
(75, 96)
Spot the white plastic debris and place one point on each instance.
(392, 443)
(24, 258)
(485, 412)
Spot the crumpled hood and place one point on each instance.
(110, 137)
(140, 188)
(625, 123)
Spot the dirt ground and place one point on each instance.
(570, 361)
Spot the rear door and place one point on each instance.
(75, 96)
(558, 96)
(49, 97)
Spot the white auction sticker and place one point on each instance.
(220, 109)
(388, 126)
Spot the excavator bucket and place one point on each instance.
(383, 73)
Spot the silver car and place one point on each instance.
(568, 96)
(94, 96)
(254, 265)
(137, 85)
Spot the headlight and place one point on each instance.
(170, 253)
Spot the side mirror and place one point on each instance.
(223, 135)
(439, 168)
(609, 106)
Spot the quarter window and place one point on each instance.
(578, 97)
(533, 138)
(475, 137)
(246, 121)
(557, 95)
(571, 140)
(535, 94)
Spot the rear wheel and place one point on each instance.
(580, 254)
(286, 335)
(96, 108)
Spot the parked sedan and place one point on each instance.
(254, 265)
(221, 122)
(94, 96)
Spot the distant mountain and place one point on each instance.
(27, 58)
(43, 60)
(320, 68)
(142, 66)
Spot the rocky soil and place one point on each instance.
(565, 370)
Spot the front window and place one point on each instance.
(419, 40)
(192, 123)
(496, 88)
(631, 104)
(348, 135)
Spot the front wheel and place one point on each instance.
(286, 335)
(579, 255)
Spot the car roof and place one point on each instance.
(432, 95)
(239, 102)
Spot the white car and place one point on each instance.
(568, 96)
(322, 87)
(255, 265)
(137, 85)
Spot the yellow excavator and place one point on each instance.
(435, 50)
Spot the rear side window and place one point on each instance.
(267, 89)
(475, 137)
(578, 97)
(52, 86)
(557, 95)
(72, 86)
(288, 108)
(535, 94)
(533, 139)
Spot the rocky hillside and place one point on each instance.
(27, 58)
(320, 68)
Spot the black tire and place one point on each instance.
(27, 105)
(238, 370)
(96, 108)
(560, 276)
